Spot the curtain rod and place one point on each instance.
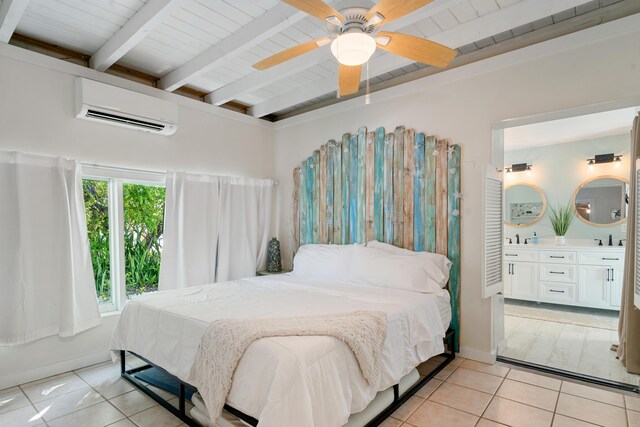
(121, 169)
(141, 171)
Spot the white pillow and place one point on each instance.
(437, 265)
(379, 268)
(323, 261)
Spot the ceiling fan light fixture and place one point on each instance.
(353, 48)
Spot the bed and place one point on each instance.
(291, 380)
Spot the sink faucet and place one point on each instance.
(517, 239)
(610, 240)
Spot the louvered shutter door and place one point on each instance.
(493, 229)
(636, 288)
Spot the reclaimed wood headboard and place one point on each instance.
(400, 188)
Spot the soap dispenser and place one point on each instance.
(534, 239)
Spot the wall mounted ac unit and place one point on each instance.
(112, 105)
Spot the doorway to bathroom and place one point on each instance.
(566, 190)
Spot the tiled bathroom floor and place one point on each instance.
(565, 340)
(465, 393)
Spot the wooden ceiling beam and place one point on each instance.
(11, 12)
(261, 28)
(69, 55)
(152, 14)
(513, 16)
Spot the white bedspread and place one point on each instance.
(288, 381)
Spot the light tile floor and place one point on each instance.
(563, 339)
(465, 393)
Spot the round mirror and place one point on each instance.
(602, 201)
(524, 204)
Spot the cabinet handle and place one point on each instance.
(559, 292)
(556, 272)
(608, 274)
(514, 255)
(554, 256)
(612, 274)
(610, 259)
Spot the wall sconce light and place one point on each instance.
(606, 158)
(519, 167)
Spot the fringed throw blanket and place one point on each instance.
(225, 341)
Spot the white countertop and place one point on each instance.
(569, 246)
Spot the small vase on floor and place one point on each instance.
(560, 241)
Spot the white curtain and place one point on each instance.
(46, 277)
(189, 244)
(215, 229)
(244, 219)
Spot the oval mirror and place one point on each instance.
(602, 201)
(524, 204)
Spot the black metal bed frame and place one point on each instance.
(180, 411)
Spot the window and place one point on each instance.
(96, 205)
(125, 219)
(143, 227)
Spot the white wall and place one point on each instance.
(559, 170)
(36, 116)
(462, 105)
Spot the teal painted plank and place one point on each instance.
(430, 199)
(346, 163)
(378, 173)
(388, 189)
(398, 186)
(331, 146)
(337, 193)
(353, 189)
(418, 194)
(361, 195)
(316, 196)
(309, 201)
(453, 244)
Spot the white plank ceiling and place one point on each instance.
(210, 45)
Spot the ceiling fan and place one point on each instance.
(356, 35)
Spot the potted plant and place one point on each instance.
(561, 218)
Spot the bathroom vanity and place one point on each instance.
(585, 276)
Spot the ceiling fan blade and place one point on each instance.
(291, 53)
(316, 8)
(349, 79)
(394, 9)
(418, 49)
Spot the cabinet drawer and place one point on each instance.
(558, 273)
(520, 255)
(600, 258)
(558, 257)
(558, 292)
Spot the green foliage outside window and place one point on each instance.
(96, 205)
(143, 227)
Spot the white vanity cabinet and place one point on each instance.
(587, 276)
(521, 274)
(600, 284)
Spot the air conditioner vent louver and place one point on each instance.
(124, 120)
(115, 106)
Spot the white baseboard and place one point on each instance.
(480, 356)
(54, 369)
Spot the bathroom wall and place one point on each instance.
(559, 170)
